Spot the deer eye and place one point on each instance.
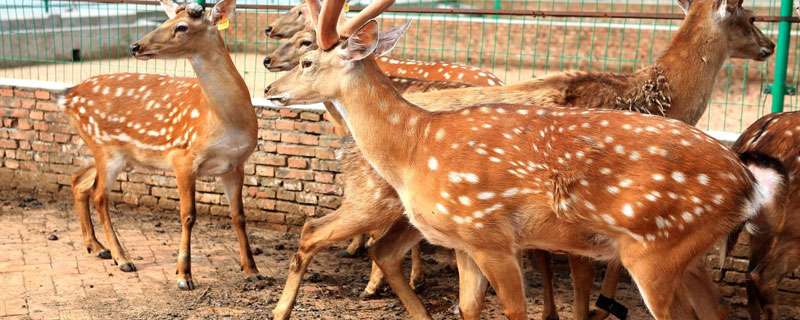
(306, 63)
(181, 28)
(305, 43)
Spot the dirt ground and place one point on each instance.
(45, 274)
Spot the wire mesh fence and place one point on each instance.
(67, 41)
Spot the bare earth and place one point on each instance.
(45, 274)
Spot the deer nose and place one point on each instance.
(267, 31)
(266, 90)
(267, 61)
(767, 51)
(135, 48)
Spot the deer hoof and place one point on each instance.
(366, 295)
(417, 285)
(104, 254)
(127, 267)
(185, 284)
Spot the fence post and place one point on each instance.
(782, 56)
(47, 6)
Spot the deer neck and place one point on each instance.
(225, 90)
(691, 64)
(385, 126)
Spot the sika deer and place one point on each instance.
(509, 179)
(647, 90)
(772, 143)
(193, 127)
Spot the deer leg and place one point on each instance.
(756, 299)
(609, 287)
(701, 292)
(83, 182)
(542, 261)
(471, 287)
(656, 280)
(417, 276)
(320, 233)
(186, 187)
(375, 282)
(107, 172)
(582, 273)
(355, 245)
(388, 252)
(503, 271)
(233, 182)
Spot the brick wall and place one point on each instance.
(292, 175)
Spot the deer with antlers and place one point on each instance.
(772, 143)
(194, 127)
(647, 90)
(539, 178)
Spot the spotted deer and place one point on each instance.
(772, 143)
(646, 91)
(296, 28)
(539, 177)
(194, 127)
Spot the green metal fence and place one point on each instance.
(66, 41)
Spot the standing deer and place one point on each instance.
(539, 177)
(772, 142)
(194, 127)
(670, 87)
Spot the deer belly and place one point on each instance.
(216, 166)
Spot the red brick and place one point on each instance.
(8, 144)
(325, 177)
(268, 159)
(23, 93)
(285, 173)
(296, 150)
(287, 113)
(27, 103)
(271, 135)
(265, 171)
(284, 125)
(37, 115)
(298, 163)
(325, 153)
(310, 116)
(42, 95)
(6, 92)
(47, 106)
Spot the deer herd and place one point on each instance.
(597, 166)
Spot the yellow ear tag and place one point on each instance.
(223, 24)
(346, 8)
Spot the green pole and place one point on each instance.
(497, 6)
(782, 56)
(47, 6)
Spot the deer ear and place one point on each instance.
(388, 40)
(223, 9)
(362, 43)
(684, 5)
(169, 8)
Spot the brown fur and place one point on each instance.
(648, 90)
(193, 127)
(775, 237)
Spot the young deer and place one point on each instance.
(539, 178)
(295, 26)
(772, 142)
(194, 127)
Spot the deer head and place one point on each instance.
(288, 53)
(289, 23)
(734, 23)
(324, 75)
(188, 31)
